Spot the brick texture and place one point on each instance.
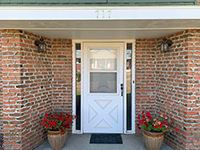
(1, 98)
(33, 83)
(62, 75)
(28, 77)
(177, 88)
(145, 76)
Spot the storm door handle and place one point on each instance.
(122, 89)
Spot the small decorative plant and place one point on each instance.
(58, 121)
(148, 123)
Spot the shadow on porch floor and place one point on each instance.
(81, 142)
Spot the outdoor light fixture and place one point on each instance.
(41, 45)
(165, 45)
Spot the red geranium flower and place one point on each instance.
(60, 118)
(149, 123)
(165, 123)
(148, 113)
(150, 117)
(146, 123)
(57, 121)
(75, 116)
(176, 129)
(141, 122)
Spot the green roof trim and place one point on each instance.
(95, 2)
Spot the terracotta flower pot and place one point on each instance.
(56, 139)
(153, 140)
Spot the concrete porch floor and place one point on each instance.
(81, 142)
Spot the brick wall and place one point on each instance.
(27, 91)
(177, 88)
(145, 76)
(62, 75)
(198, 2)
(1, 98)
(175, 83)
(33, 84)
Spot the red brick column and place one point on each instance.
(27, 91)
(177, 92)
(62, 73)
(145, 66)
(1, 88)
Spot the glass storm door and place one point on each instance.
(103, 83)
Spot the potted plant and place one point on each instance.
(56, 125)
(154, 129)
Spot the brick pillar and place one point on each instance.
(27, 88)
(191, 105)
(62, 71)
(177, 92)
(1, 99)
(145, 76)
(1, 88)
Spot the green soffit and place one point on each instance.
(95, 2)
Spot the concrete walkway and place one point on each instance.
(81, 142)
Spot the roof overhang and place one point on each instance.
(101, 22)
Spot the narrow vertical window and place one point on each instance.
(129, 85)
(78, 86)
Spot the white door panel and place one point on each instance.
(103, 75)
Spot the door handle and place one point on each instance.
(122, 89)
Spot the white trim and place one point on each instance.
(124, 92)
(98, 13)
(73, 85)
(82, 86)
(82, 81)
(133, 87)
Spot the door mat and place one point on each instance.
(106, 139)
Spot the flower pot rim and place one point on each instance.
(56, 132)
(153, 133)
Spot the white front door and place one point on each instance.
(103, 80)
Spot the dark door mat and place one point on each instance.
(106, 139)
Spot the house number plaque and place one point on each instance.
(103, 14)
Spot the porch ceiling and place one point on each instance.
(102, 29)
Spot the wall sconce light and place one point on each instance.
(41, 45)
(165, 45)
